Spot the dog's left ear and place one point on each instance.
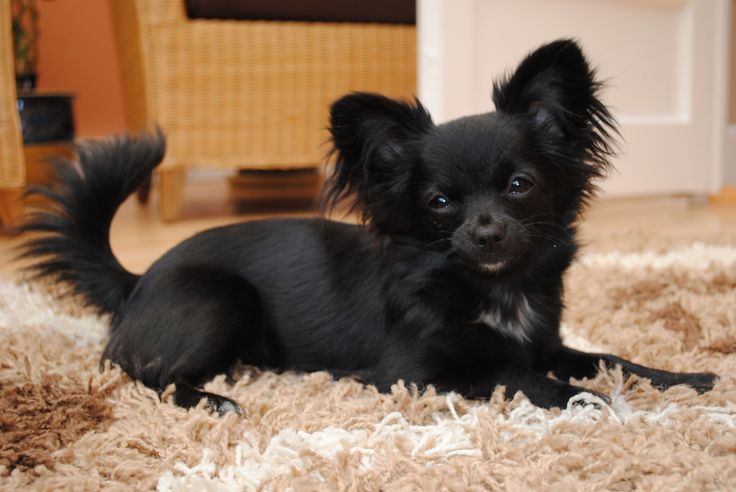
(557, 90)
(375, 140)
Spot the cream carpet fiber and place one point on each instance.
(64, 424)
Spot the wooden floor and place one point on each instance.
(139, 236)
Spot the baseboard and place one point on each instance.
(729, 168)
(728, 192)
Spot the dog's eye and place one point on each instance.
(520, 185)
(439, 202)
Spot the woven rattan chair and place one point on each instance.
(248, 94)
(12, 167)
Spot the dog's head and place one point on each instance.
(489, 188)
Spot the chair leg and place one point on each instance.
(11, 208)
(171, 192)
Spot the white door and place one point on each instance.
(664, 62)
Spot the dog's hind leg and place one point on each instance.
(188, 396)
(186, 326)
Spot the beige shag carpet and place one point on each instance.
(670, 304)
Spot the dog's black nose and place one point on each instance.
(484, 236)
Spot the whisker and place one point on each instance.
(439, 241)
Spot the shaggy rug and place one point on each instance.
(65, 424)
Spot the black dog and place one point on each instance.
(455, 279)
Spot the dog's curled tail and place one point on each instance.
(73, 244)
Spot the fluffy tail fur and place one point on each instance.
(74, 243)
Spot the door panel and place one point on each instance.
(664, 62)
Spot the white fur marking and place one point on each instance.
(515, 322)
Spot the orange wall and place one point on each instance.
(77, 54)
(732, 118)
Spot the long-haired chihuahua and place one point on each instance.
(454, 279)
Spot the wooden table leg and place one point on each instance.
(171, 192)
(11, 208)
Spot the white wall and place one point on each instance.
(729, 157)
(664, 61)
(729, 173)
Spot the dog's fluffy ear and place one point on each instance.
(557, 90)
(375, 140)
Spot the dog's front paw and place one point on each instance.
(188, 397)
(700, 381)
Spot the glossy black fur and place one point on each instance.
(454, 280)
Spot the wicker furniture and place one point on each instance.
(248, 94)
(12, 168)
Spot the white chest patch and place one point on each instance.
(513, 317)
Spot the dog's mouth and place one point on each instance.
(483, 265)
(491, 261)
